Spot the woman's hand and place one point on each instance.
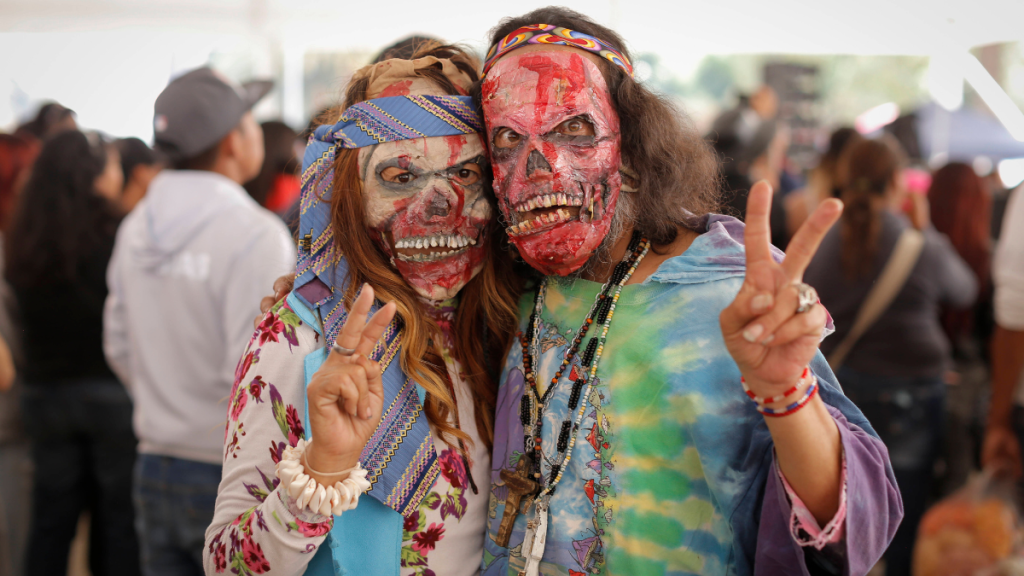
(282, 286)
(346, 395)
(769, 340)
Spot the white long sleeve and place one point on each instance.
(257, 527)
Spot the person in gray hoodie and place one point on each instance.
(186, 277)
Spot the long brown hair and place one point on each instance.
(486, 319)
(868, 169)
(961, 208)
(675, 169)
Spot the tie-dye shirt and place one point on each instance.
(671, 461)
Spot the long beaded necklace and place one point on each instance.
(533, 404)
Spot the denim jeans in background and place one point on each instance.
(174, 501)
(83, 448)
(15, 505)
(909, 415)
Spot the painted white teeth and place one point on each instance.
(548, 201)
(451, 244)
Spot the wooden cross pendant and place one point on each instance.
(519, 485)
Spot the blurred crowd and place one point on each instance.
(922, 277)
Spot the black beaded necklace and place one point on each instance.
(533, 404)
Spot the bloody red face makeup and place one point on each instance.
(426, 205)
(554, 142)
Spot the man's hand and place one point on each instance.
(282, 286)
(769, 340)
(772, 343)
(1001, 451)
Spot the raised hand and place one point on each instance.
(769, 340)
(346, 395)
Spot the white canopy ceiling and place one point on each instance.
(131, 47)
(738, 26)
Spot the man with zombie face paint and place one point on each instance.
(395, 205)
(665, 409)
(556, 156)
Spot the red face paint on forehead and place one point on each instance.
(555, 150)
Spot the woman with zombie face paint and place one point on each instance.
(665, 409)
(331, 402)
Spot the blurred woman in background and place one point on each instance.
(961, 208)
(894, 372)
(77, 414)
(823, 181)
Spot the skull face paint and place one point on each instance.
(427, 209)
(555, 146)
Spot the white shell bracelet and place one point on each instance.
(310, 494)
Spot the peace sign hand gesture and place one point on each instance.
(769, 340)
(346, 394)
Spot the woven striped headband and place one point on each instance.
(547, 34)
(367, 123)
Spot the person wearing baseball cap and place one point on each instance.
(185, 280)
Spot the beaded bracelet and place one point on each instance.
(794, 407)
(780, 397)
(313, 496)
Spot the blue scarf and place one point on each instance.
(400, 456)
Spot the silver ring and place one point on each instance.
(806, 297)
(342, 350)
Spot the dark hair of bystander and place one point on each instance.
(61, 218)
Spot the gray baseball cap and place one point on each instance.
(199, 108)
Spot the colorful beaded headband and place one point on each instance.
(547, 34)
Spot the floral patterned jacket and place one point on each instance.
(258, 529)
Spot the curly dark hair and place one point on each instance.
(61, 221)
(675, 169)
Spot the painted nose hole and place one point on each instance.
(438, 206)
(536, 161)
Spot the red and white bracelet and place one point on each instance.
(794, 407)
(774, 399)
(790, 408)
